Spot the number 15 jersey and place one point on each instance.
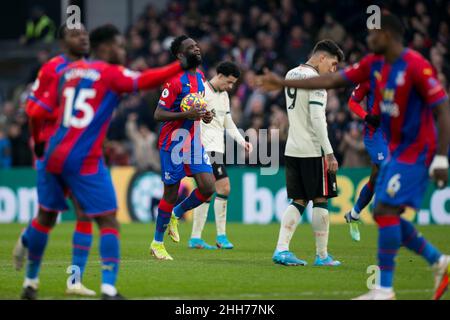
(304, 107)
(87, 93)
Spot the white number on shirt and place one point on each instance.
(80, 104)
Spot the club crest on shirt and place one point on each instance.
(400, 80)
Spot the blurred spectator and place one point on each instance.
(20, 148)
(116, 154)
(353, 149)
(298, 47)
(332, 30)
(39, 27)
(5, 150)
(278, 34)
(144, 144)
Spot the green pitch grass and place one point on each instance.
(245, 272)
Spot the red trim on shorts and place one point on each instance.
(199, 196)
(387, 221)
(36, 225)
(84, 227)
(187, 169)
(56, 211)
(98, 214)
(105, 231)
(165, 206)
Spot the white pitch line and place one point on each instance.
(275, 294)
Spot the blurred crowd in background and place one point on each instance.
(277, 34)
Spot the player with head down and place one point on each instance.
(181, 150)
(407, 97)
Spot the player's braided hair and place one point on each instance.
(330, 47)
(176, 44)
(103, 34)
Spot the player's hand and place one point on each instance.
(332, 163)
(207, 118)
(269, 81)
(195, 113)
(439, 171)
(373, 120)
(39, 149)
(248, 147)
(132, 116)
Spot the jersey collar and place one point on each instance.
(310, 66)
(212, 87)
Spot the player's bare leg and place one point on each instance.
(32, 243)
(165, 208)
(205, 189)
(366, 194)
(321, 226)
(289, 222)
(110, 255)
(81, 245)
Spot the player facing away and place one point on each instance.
(310, 163)
(376, 146)
(88, 92)
(181, 150)
(75, 45)
(407, 95)
(218, 102)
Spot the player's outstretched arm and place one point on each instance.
(123, 80)
(156, 76)
(439, 166)
(270, 82)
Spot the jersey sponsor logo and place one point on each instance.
(390, 108)
(380, 156)
(388, 105)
